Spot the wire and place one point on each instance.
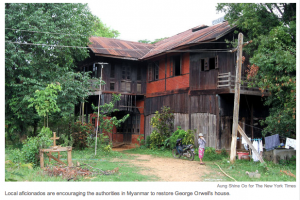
(42, 32)
(80, 47)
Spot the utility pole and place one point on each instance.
(100, 92)
(236, 98)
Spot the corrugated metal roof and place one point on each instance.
(135, 50)
(189, 37)
(119, 48)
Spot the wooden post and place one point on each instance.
(70, 164)
(250, 144)
(99, 102)
(41, 159)
(236, 98)
(54, 138)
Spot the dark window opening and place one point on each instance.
(177, 65)
(202, 65)
(212, 64)
(153, 69)
(156, 71)
(139, 74)
(123, 72)
(126, 72)
(112, 86)
(112, 71)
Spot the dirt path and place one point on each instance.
(169, 169)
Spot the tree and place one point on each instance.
(104, 111)
(41, 41)
(149, 42)
(100, 29)
(44, 101)
(272, 27)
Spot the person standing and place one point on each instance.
(201, 143)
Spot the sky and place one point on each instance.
(138, 20)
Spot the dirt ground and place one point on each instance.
(168, 169)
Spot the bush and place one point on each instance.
(80, 133)
(186, 136)
(163, 122)
(148, 141)
(32, 145)
(156, 140)
(210, 154)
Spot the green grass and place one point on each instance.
(101, 161)
(104, 161)
(268, 172)
(156, 152)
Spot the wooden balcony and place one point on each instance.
(227, 81)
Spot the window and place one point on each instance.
(138, 87)
(139, 74)
(112, 86)
(209, 63)
(125, 86)
(95, 71)
(175, 69)
(202, 65)
(126, 71)
(112, 71)
(153, 68)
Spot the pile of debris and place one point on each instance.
(71, 173)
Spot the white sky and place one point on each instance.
(138, 19)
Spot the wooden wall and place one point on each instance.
(206, 124)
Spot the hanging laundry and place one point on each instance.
(290, 143)
(256, 146)
(261, 149)
(245, 143)
(271, 142)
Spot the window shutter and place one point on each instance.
(156, 66)
(128, 86)
(150, 72)
(216, 62)
(139, 88)
(206, 66)
(123, 86)
(172, 67)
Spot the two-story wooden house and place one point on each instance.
(192, 72)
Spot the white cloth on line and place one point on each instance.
(290, 143)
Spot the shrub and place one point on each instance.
(211, 154)
(32, 145)
(163, 122)
(80, 132)
(186, 136)
(156, 140)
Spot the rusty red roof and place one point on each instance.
(138, 51)
(119, 48)
(190, 37)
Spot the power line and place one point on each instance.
(80, 47)
(22, 30)
(42, 32)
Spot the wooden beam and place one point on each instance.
(50, 156)
(249, 143)
(236, 99)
